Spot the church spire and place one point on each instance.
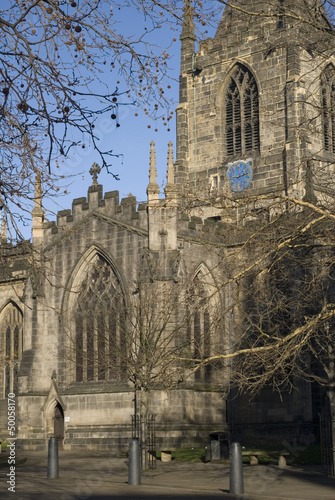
(188, 22)
(171, 189)
(38, 192)
(170, 170)
(3, 235)
(38, 212)
(153, 169)
(153, 188)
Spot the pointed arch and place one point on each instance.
(96, 303)
(328, 107)
(202, 304)
(53, 412)
(203, 270)
(79, 272)
(11, 346)
(241, 112)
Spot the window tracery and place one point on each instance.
(241, 113)
(100, 323)
(328, 108)
(199, 327)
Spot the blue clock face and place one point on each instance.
(239, 175)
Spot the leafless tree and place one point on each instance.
(63, 65)
(281, 252)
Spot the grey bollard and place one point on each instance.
(134, 470)
(53, 472)
(236, 470)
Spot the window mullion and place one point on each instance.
(84, 350)
(243, 120)
(95, 355)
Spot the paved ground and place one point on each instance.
(100, 477)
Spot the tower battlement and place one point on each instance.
(108, 205)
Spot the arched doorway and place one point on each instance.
(59, 425)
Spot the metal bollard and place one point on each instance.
(53, 472)
(236, 469)
(134, 470)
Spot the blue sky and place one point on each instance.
(131, 140)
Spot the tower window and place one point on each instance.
(241, 113)
(328, 108)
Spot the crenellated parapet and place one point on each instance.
(214, 231)
(172, 225)
(14, 261)
(165, 221)
(126, 212)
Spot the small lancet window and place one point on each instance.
(11, 348)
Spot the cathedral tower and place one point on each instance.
(251, 117)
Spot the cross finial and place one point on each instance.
(94, 172)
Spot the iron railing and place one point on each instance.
(143, 429)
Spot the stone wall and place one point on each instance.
(278, 53)
(98, 415)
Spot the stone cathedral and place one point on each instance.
(243, 128)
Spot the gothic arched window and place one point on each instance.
(241, 112)
(199, 327)
(100, 326)
(328, 108)
(11, 347)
